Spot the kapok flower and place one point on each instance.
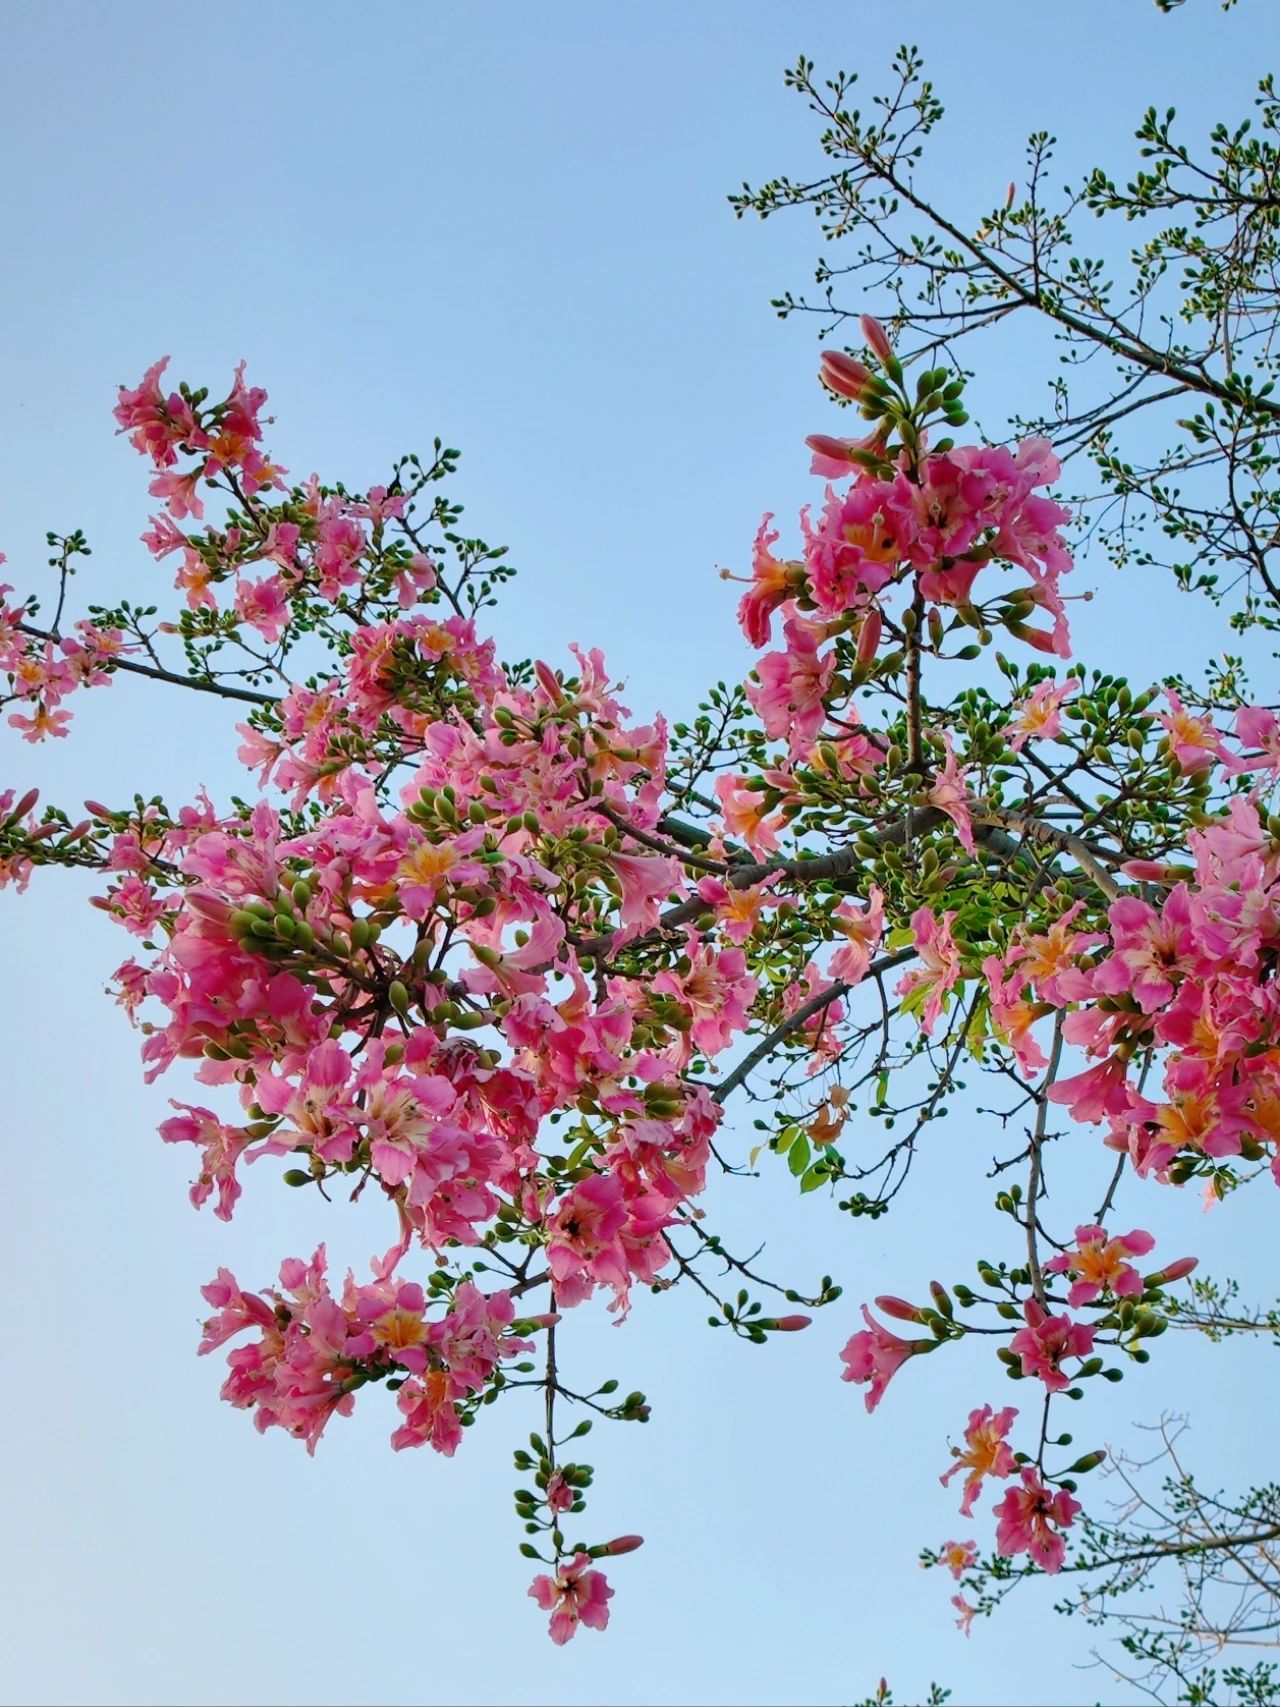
(1024, 1517)
(773, 582)
(1045, 1341)
(927, 987)
(874, 1355)
(958, 1557)
(1099, 1264)
(950, 795)
(575, 1595)
(790, 694)
(862, 928)
(1040, 716)
(987, 1452)
(743, 811)
(1193, 741)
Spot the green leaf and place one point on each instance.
(798, 1156)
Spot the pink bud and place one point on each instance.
(869, 635)
(1177, 1270)
(1031, 636)
(822, 444)
(899, 1308)
(24, 805)
(621, 1544)
(841, 374)
(1012, 191)
(1148, 870)
(206, 905)
(792, 1324)
(97, 808)
(876, 336)
(548, 680)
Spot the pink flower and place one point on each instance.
(156, 423)
(431, 1416)
(1098, 1264)
(559, 1495)
(1025, 1516)
(855, 548)
(575, 1595)
(717, 992)
(790, 693)
(743, 812)
(1039, 718)
(647, 881)
(1151, 951)
(927, 988)
(41, 723)
(967, 1613)
(950, 795)
(262, 605)
(958, 1557)
(862, 928)
(874, 1356)
(1193, 741)
(222, 1146)
(738, 911)
(1045, 1341)
(772, 584)
(986, 1454)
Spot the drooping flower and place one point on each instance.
(1029, 1517)
(873, 1356)
(577, 1594)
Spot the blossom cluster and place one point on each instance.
(459, 952)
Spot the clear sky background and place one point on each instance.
(507, 225)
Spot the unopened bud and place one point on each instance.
(24, 806)
(1177, 1270)
(621, 1544)
(1090, 1461)
(869, 636)
(838, 450)
(548, 681)
(792, 1324)
(899, 1309)
(877, 338)
(841, 374)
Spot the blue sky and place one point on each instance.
(505, 225)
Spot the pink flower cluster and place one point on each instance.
(314, 1351)
(1187, 976)
(42, 673)
(934, 525)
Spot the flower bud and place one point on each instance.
(548, 681)
(899, 1309)
(877, 338)
(1177, 1270)
(621, 1544)
(24, 806)
(792, 1324)
(841, 374)
(869, 635)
